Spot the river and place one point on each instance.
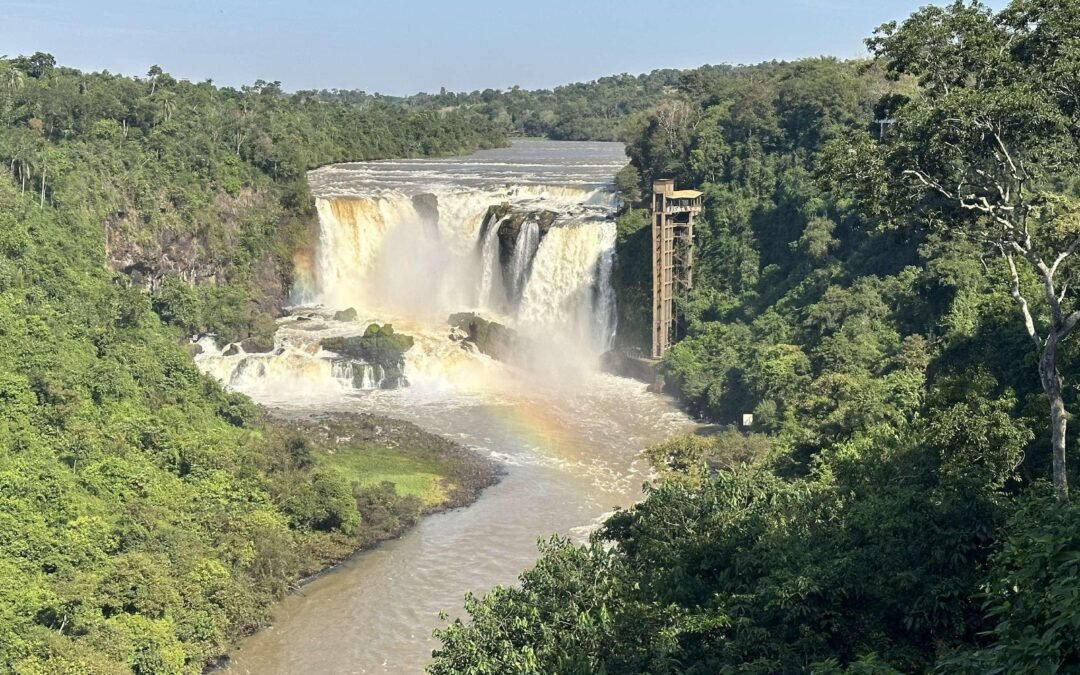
(568, 436)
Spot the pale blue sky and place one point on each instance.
(404, 46)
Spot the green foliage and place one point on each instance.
(748, 572)
(882, 516)
(1033, 595)
(581, 111)
(148, 518)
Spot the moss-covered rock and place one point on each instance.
(346, 315)
(258, 344)
(379, 346)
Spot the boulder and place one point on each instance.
(231, 350)
(258, 344)
(379, 346)
(488, 337)
(346, 315)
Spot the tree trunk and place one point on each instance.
(43, 172)
(1051, 382)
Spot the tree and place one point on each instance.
(13, 79)
(988, 145)
(36, 66)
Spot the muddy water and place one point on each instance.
(571, 457)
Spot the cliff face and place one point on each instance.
(243, 245)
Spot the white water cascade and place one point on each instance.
(525, 246)
(528, 245)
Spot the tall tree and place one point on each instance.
(989, 145)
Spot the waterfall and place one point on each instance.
(352, 234)
(570, 282)
(352, 374)
(491, 277)
(605, 314)
(528, 240)
(406, 246)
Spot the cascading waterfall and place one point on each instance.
(401, 248)
(570, 440)
(570, 284)
(604, 314)
(356, 375)
(528, 240)
(377, 253)
(491, 282)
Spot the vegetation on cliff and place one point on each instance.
(883, 298)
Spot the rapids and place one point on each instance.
(524, 235)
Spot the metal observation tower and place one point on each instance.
(672, 256)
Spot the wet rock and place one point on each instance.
(379, 346)
(488, 337)
(636, 366)
(427, 207)
(346, 315)
(658, 386)
(510, 227)
(231, 350)
(258, 344)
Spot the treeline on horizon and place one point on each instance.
(894, 306)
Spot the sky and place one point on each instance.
(404, 46)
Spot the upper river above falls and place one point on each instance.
(411, 241)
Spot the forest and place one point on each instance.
(148, 518)
(582, 111)
(884, 278)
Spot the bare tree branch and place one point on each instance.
(1025, 310)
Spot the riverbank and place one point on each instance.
(397, 472)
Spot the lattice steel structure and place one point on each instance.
(672, 256)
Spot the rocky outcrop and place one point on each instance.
(148, 251)
(379, 346)
(510, 230)
(621, 363)
(487, 337)
(200, 248)
(346, 315)
(427, 206)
